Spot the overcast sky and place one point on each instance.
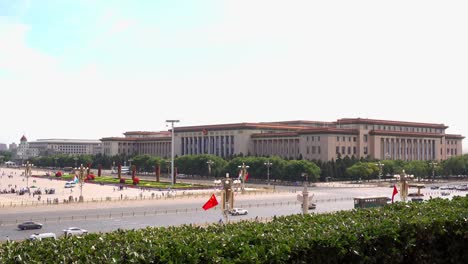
(91, 69)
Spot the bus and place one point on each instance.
(371, 201)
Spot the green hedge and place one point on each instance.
(429, 232)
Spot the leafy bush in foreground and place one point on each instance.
(429, 232)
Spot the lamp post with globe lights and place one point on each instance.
(380, 165)
(82, 171)
(268, 164)
(27, 173)
(210, 163)
(433, 165)
(243, 172)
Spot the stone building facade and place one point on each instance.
(312, 140)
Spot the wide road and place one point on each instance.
(109, 216)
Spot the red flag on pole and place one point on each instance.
(212, 202)
(395, 191)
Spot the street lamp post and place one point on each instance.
(130, 162)
(380, 164)
(433, 164)
(56, 162)
(173, 180)
(27, 173)
(210, 163)
(268, 164)
(243, 172)
(81, 178)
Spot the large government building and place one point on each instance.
(312, 140)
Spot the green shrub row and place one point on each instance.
(431, 232)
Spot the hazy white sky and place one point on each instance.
(92, 69)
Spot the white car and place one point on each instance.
(239, 211)
(75, 231)
(70, 185)
(42, 236)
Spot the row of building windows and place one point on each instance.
(315, 150)
(313, 138)
(344, 139)
(406, 129)
(343, 151)
(450, 151)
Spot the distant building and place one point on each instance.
(311, 140)
(138, 142)
(12, 146)
(47, 147)
(3, 147)
(24, 152)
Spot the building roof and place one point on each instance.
(136, 139)
(453, 136)
(23, 138)
(329, 130)
(279, 134)
(404, 133)
(238, 126)
(387, 122)
(308, 123)
(146, 133)
(67, 141)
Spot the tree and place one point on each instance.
(363, 170)
(418, 168)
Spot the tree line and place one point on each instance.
(280, 169)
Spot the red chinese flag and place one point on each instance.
(212, 202)
(395, 191)
(247, 176)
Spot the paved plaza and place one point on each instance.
(14, 179)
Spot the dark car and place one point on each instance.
(29, 225)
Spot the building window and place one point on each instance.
(343, 150)
(354, 150)
(337, 150)
(313, 149)
(313, 138)
(307, 150)
(307, 139)
(349, 139)
(344, 139)
(318, 138)
(349, 150)
(354, 139)
(365, 138)
(365, 150)
(318, 149)
(338, 139)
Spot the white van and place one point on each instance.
(43, 236)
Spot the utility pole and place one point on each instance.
(173, 177)
(268, 164)
(433, 164)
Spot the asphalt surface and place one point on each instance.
(106, 217)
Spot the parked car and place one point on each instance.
(42, 236)
(434, 187)
(29, 225)
(239, 211)
(75, 231)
